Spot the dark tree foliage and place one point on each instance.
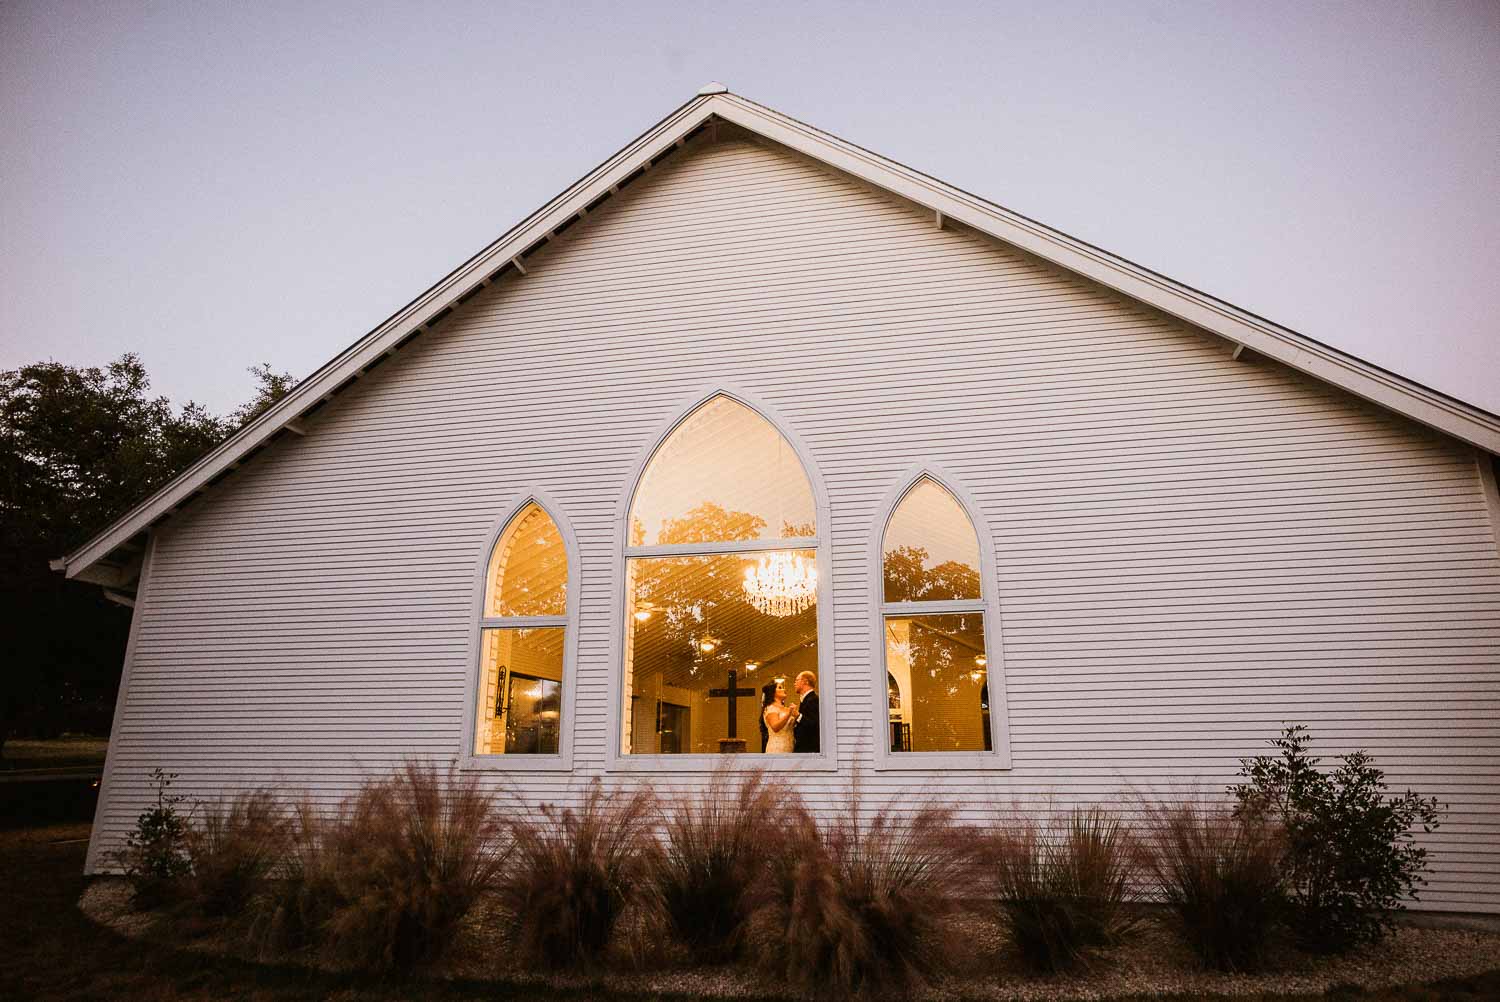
(78, 447)
(1350, 859)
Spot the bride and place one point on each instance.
(777, 718)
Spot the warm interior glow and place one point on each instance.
(781, 583)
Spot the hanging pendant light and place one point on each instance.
(781, 583)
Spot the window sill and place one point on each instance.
(823, 762)
(515, 763)
(942, 761)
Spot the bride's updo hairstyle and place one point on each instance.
(768, 694)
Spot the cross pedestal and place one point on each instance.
(733, 744)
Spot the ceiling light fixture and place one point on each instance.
(781, 583)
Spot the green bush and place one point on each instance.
(861, 907)
(1350, 857)
(1064, 895)
(1219, 876)
(717, 846)
(232, 846)
(571, 877)
(155, 857)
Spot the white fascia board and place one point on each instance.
(1450, 416)
(414, 315)
(1453, 417)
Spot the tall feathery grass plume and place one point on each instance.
(572, 875)
(1063, 890)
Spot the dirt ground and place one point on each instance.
(52, 952)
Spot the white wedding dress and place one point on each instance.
(777, 742)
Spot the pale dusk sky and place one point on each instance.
(215, 185)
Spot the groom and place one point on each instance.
(805, 730)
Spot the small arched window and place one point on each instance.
(523, 640)
(933, 616)
(721, 585)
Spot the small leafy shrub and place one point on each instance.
(1350, 858)
(572, 875)
(1064, 894)
(862, 907)
(1219, 876)
(385, 882)
(232, 847)
(155, 857)
(716, 848)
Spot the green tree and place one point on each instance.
(78, 447)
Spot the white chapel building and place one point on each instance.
(748, 401)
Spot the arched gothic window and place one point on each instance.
(721, 584)
(523, 639)
(932, 619)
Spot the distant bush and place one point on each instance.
(1350, 857)
(717, 846)
(231, 847)
(571, 876)
(861, 907)
(1219, 876)
(1064, 892)
(155, 857)
(385, 883)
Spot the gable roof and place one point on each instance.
(98, 561)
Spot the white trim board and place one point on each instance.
(503, 259)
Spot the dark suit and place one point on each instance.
(805, 730)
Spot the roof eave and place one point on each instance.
(1427, 406)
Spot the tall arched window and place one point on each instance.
(721, 584)
(523, 640)
(932, 619)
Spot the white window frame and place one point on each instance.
(987, 605)
(563, 760)
(826, 759)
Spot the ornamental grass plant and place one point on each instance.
(232, 846)
(715, 849)
(1219, 875)
(385, 882)
(861, 906)
(1063, 891)
(571, 876)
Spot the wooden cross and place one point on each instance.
(730, 692)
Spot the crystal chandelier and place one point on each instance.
(781, 583)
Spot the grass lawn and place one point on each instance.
(55, 753)
(52, 952)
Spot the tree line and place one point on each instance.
(78, 447)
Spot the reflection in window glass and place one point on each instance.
(528, 574)
(701, 646)
(931, 551)
(520, 697)
(939, 675)
(723, 474)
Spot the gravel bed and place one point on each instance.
(1151, 962)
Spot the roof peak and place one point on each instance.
(712, 87)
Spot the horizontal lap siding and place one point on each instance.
(1190, 550)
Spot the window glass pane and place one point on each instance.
(937, 675)
(520, 697)
(699, 630)
(528, 573)
(723, 474)
(931, 551)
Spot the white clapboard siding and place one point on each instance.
(1190, 550)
